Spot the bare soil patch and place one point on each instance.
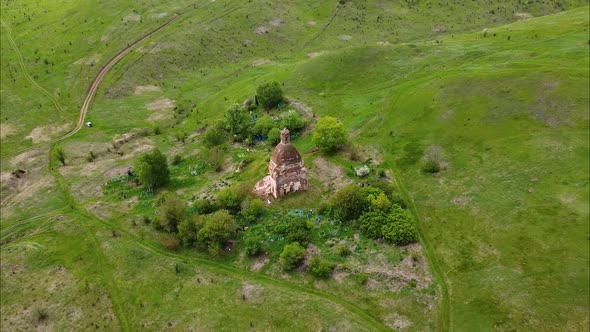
(6, 130)
(276, 21)
(131, 17)
(344, 37)
(316, 54)
(140, 89)
(261, 30)
(312, 23)
(333, 176)
(161, 115)
(260, 62)
(383, 43)
(259, 263)
(161, 104)
(439, 28)
(522, 16)
(159, 15)
(45, 133)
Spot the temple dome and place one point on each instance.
(285, 152)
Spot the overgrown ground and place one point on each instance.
(504, 228)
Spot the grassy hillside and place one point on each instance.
(501, 93)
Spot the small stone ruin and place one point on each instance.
(286, 171)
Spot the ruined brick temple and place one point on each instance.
(286, 171)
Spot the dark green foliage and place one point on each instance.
(274, 136)
(59, 154)
(294, 230)
(153, 170)
(360, 278)
(348, 203)
(269, 95)
(293, 122)
(263, 125)
(252, 210)
(319, 267)
(342, 250)
(40, 315)
(380, 203)
(255, 244)
(430, 167)
(205, 206)
(170, 213)
(229, 199)
(237, 122)
(292, 256)
(216, 158)
(401, 229)
(189, 228)
(413, 151)
(214, 136)
(371, 224)
(329, 135)
(218, 228)
(177, 159)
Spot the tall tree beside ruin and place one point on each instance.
(153, 170)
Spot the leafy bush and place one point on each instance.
(216, 158)
(263, 125)
(431, 167)
(401, 229)
(237, 122)
(348, 203)
(214, 136)
(273, 136)
(218, 228)
(252, 210)
(342, 250)
(153, 170)
(371, 224)
(189, 228)
(228, 199)
(205, 206)
(177, 159)
(294, 230)
(170, 243)
(171, 211)
(293, 122)
(291, 256)
(319, 267)
(381, 203)
(329, 134)
(255, 244)
(269, 95)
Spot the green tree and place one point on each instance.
(218, 228)
(269, 95)
(229, 199)
(153, 170)
(371, 224)
(255, 244)
(348, 203)
(171, 212)
(263, 125)
(401, 228)
(291, 256)
(216, 158)
(214, 136)
(274, 136)
(189, 228)
(237, 122)
(319, 267)
(293, 122)
(252, 210)
(329, 134)
(381, 203)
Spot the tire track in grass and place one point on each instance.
(21, 62)
(334, 14)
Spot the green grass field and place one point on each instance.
(499, 88)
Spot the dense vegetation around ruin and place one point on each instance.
(446, 143)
